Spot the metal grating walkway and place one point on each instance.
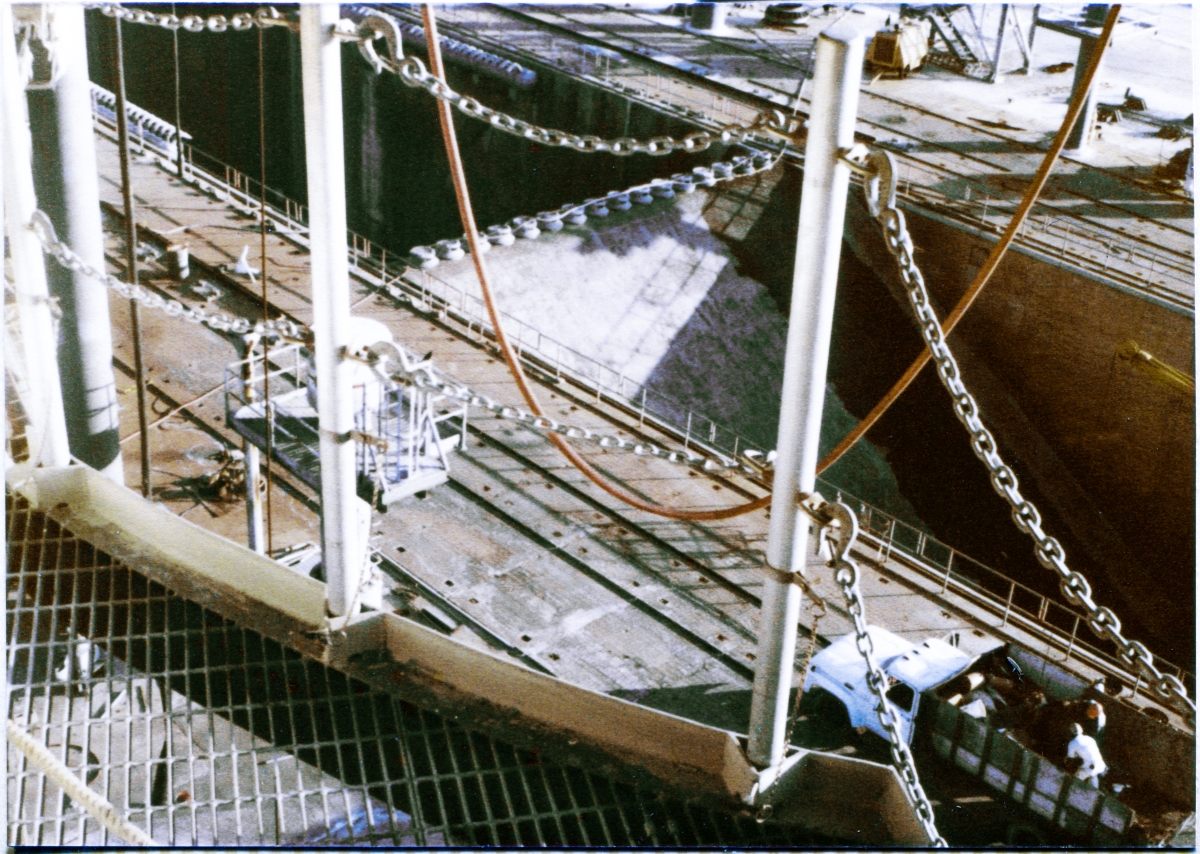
(204, 733)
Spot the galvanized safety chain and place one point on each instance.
(746, 462)
(264, 17)
(839, 530)
(880, 176)
(425, 375)
(283, 328)
(531, 227)
(412, 71)
(751, 461)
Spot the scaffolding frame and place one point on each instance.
(404, 432)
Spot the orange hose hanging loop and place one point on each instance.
(510, 357)
(989, 267)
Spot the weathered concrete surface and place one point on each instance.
(967, 132)
(709, 574)
(657, 295)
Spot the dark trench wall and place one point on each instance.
(398, 181)
(219, 91)
(398, 187)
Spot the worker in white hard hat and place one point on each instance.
(1084, 749)
(1093, 722)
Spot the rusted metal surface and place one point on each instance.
(503, 697)
(203, 732)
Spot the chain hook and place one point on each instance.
(840, 529)
(40, 224)
(774, 121)
(882, 177)
(375, 26)
(840, 532)
(269, 16)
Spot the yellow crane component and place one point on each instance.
(1156, 368)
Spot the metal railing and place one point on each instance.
(255, 415)
(204, 732)
(374, 264)
(1138, 264)
(1012, 603)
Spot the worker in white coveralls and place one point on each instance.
(1084, 749)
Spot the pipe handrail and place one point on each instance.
(700, 432)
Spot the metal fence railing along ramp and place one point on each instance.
(390, 272)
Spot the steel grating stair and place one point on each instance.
(202, 732)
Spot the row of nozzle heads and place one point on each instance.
(531, 227)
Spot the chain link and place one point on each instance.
(840, 530)
(818, 610)
(528, 227)
(881, 177)
(282, 328)
(413, 72)
(264, 17)
(425, 375)
(430, 378)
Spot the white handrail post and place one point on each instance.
(68, 190)
(47, 431)
(320, 52)
(255, 539)
(838, 71)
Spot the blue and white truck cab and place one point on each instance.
(974, 713)
(911, 670)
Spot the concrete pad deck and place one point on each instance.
(649, 609)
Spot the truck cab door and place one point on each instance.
(904, 699)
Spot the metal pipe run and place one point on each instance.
(178, 109)
(47, 426)
(254, 509)
(839, 57)
(135, 314)
(1081, 133)
(68, 190)
(320, 52)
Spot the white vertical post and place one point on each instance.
(47, 430)
(836, 77)
(68, 190)
(6, 33)
(994, 73)
(255, 538)
(320, 53)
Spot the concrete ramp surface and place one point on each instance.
(603, 733)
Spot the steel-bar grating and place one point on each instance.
(202, 732)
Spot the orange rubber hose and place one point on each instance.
(510, 356)
(989, 267)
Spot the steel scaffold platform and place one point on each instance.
(203, 732)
